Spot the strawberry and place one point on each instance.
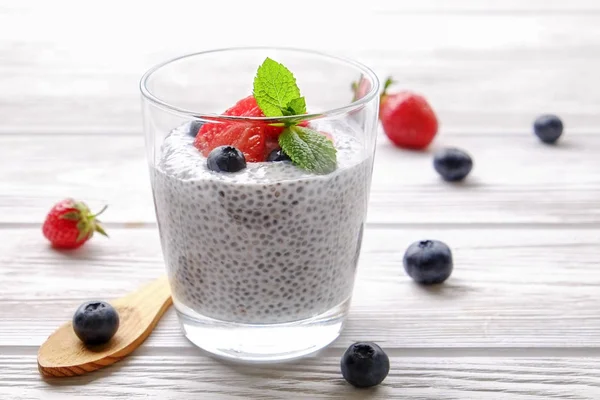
(251, 138)
(360, 88)
(70, 224)
(247, 107)
(407, 119)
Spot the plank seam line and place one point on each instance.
(334, 351)
(371, 225)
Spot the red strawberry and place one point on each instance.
(360, 88)
(70, 224)
(407, 119)
(247, 107)
(251, 138)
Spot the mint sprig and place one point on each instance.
(277, 95)
(297, 106)
(275, 88)
(308, 149)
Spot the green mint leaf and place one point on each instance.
(308, 149)
(287, 112)
(274, 88)
(297, 106)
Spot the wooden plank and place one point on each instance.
(515, 180)
(470, 66)
(187, 376)
(511, 288)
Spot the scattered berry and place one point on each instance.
(548, 128)
(278, 155)
(251, 138)
(95, 322)
(226, 159)
(452, 164)
(407, 119)
(365, 364)
(70, 224)
(194, 128)
(428, 262)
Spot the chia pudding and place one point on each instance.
(269, 244)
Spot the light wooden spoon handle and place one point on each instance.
(63, 354)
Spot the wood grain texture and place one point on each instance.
(192, 375)
(518, 320)
(511, 288)
(64, 355)
(477, 73)
(514, 180)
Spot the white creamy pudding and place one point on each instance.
(271, 243)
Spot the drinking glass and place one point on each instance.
(261, 262)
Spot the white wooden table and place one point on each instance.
(518, 320)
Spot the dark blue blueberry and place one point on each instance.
(278, 155)
(452, 164)
(428, 262)
(548, 128)
(226, 159)
(365, 364)
(95, 322)
(194, 128)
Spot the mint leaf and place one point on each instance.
(274, 88)
(277, 95)
(297, 106)
(308, 149)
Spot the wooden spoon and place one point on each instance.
(63, 354)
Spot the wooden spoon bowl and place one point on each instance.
(63, 354)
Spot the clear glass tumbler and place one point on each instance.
(261, 262)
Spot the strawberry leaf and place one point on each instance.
(100, 229)
(71, 215)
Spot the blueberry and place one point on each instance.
(452, 164)
(226, 159)
(95, 322)
(428, 262)
(278, 155)
(194, 128)
(365, 364)
(548, 128)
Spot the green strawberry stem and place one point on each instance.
(100, 212)
(388, 82)
(95, 223)
(386, 85)
(354, 87)
(100, 229)
(87, 223)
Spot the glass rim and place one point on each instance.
(366, 71)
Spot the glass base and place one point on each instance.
(262, 343)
